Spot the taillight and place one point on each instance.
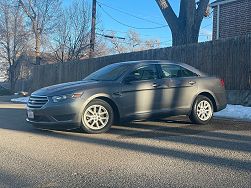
(222, 83)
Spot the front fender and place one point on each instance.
(87, 99)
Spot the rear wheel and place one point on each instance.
(202, 111)
(97, 117)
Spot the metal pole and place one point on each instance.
(92, 41)
(218, 23)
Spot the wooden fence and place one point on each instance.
(229, 59)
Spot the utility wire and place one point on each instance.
(132, 15)
(110, 36)
(125, 32)
(135, 16)
(127, 13)
(123, 38)
(127, 24)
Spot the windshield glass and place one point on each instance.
(108, 73)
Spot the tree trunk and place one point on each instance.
(185, 27)
(182, 37)
(12, 78)
(38, 48)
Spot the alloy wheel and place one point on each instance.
(96, 117)
(204, 110)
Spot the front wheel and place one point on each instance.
(97, 117)
(202, 110)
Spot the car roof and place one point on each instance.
(145, 61)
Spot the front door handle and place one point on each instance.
(117, 94)
(192, 82)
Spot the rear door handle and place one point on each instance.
(155, 85)
(192, 82)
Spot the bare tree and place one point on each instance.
(3, 68)
(71, 40)
(185, 27)
(101, 47)
(13, 38)
(136, 43)
(60, 40)
(150, 44)
(43, 15)
(132, 42)
(117, 46)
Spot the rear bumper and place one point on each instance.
(221, 102)
(221, 107)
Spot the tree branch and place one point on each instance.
(168, 13)
(26, 10)
(32, 8)
(202, 6)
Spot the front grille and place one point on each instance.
(37, 101)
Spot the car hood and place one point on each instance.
(65, 88)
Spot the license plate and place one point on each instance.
(30, 114)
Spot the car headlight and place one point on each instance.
(61, 98)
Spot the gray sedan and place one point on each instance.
(128, 91)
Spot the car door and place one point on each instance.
(178, 87)
(139, 92)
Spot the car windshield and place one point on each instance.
(108, 73)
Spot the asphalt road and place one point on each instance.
(165, 153)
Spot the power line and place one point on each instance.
(126, 32)
(123, 38)
(110, 36)
(125, 42)
(146, 28)
(132, 15)
(135, 16)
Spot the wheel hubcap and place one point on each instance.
(95, 117)
(204, 110)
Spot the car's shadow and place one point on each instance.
(168, 131)
(172, 130)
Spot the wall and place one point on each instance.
(235, 19)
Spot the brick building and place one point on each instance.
(231, 18)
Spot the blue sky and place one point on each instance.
(146, 9)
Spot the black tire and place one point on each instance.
(85, 126)
(205, 114)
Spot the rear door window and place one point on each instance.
(175, 71)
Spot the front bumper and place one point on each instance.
(62, 113)
(53, 126)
